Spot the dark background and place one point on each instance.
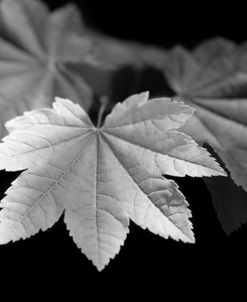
(145, 255)
(164, 22)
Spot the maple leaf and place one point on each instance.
(101, 176)
(213, 80)
(36, 47)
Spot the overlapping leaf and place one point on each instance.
(101, 177)
(116, 52)
(36, 47)
(213, 80)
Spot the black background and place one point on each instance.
(215, 257)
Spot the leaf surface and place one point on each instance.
(101, 177)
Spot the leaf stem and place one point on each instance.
(104, 100)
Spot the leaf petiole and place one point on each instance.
(104, 100)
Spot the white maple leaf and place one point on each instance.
(101, 176)
(37, 48)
